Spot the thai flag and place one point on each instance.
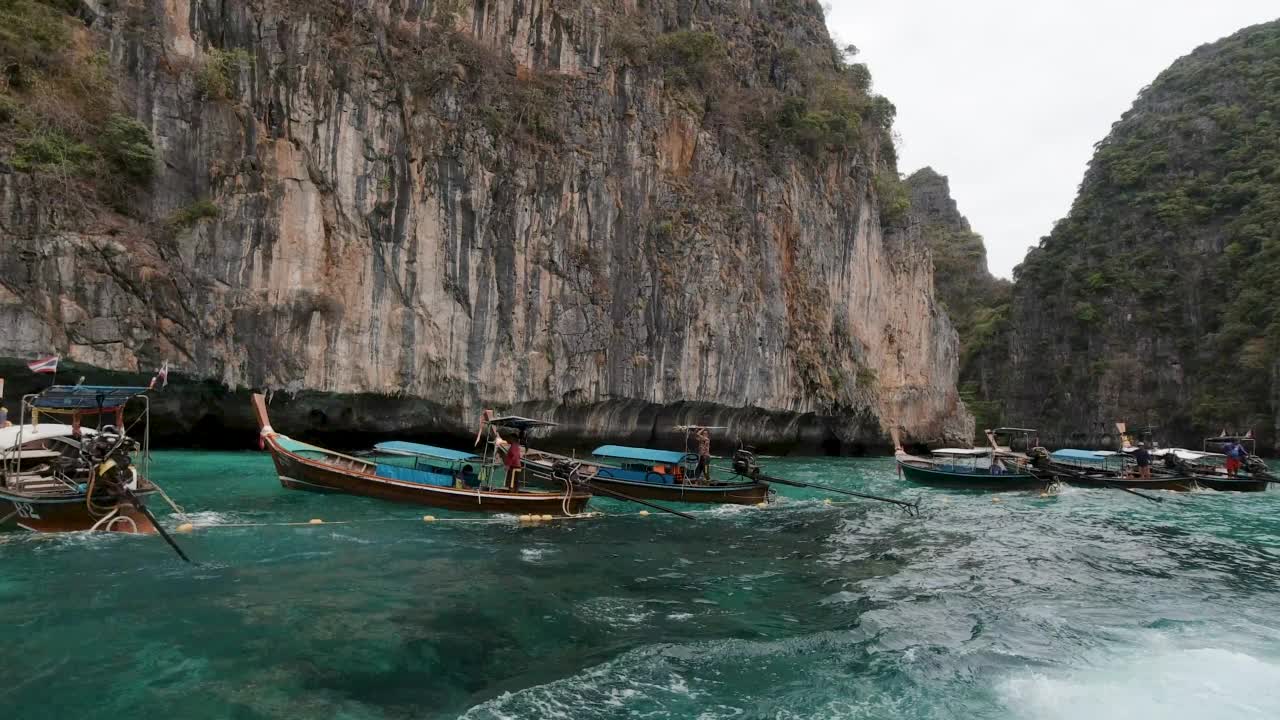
(162, 375)
(47, 366)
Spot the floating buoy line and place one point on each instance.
(189, 527)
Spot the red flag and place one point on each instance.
(46, 366)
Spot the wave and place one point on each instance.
(1170, 683)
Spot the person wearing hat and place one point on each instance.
(1144, 461)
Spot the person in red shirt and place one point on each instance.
(515, 455)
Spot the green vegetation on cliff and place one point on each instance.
(1158, 296)
(59, 107)
(976, 301)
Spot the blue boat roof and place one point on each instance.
(1090, 455)
(622, 452)
(85, 397)
(399, 447)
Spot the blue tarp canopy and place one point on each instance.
(1082, 455)
(85, 397)
(398, 447)
(641, 454)
(394, 472)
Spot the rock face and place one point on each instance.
(974, 299)
(1155, 300)
(621, 214)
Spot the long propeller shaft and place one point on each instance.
(620, 496)
(913, 508)
(160, 529)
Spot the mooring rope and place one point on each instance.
(176, 507)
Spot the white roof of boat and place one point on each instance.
(963, 452)
(1184, 454)
(14, 434)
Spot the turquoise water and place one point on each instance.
(1091, 604)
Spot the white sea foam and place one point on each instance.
(1164, 683)
(642, 682)
(531, 554)
(205, 519)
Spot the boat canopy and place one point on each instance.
(621, 452)
(398, 447)
(1083, 455)
(962, 452)
(23, 434)
(83, 398)
(1188, 455)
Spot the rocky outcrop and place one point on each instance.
(1154, 302)
(619, 214)
(975, 300)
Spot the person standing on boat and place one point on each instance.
(1144, 461)
(515, 455)
(703, 472)
(1236, 455)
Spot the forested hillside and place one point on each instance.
(1157, 299)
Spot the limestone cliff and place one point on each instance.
(616, 212)
(1155, 300)
(974, 299)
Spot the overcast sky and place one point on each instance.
(1008, 97)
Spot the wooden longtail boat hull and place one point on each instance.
(934, 477)
(1226, 484)
(336, 473)
(298, 473)
(540, 467)
(63, 514)
(752, 493)
(1156, 482)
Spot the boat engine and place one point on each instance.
(744, 463)
(108, 454)
(565, 470)
(1256, 465)
(1039, 457)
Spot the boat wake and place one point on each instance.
(642, 683)
(1170, 683)
(204, 519)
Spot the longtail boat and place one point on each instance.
(994, 468)
(423, 475)
(1105, 468)
(1210, 471)
(628, 472)
(967, 469)
(1208, 467)
(63, 477)
(657, 475)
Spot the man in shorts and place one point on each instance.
(1143, 457)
